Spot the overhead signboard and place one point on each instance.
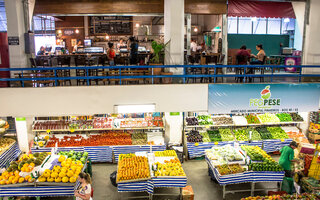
(260, 98)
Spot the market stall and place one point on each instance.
(142, 172)
(234, 165)
(267, 131)
(43, 174)
(104, 138)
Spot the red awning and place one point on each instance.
(238, 8)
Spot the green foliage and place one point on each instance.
(158, 49)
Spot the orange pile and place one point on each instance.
(133, 168)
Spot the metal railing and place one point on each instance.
(210, 72)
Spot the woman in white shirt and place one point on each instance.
(84, 193)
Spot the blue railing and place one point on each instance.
(185, 76)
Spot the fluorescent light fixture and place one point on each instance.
(254, 19)
(135, 108)
(286, 20)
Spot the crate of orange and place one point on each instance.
(132, 168)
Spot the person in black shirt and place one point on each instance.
(133, 51)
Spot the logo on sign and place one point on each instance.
(265, 101)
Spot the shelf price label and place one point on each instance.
(282, 140)
(196, 144)
(216, 143)
(48, 131)
(71, 130)
(207, 126)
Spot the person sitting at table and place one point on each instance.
(42, 51)
(111, 53)
(260, 56)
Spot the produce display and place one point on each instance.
(5, 143)
(172, 167)
(264, 133)
(3, 126)
(205, 120)
(51, 125)
(239, 120)
(256, 153)
(214, 135)
(255, 135)
(205, 137)
(222, 120)
(314, 128)
(194, 136)
(293, 132)
(74, 156)
(192, 121)
(19, 171)
(241, 135)
(166, 153)
(284, 117)
(65, 169)
(304, 196)
(139, 139)
(277, 133)
(226, 134)
(229, 169)
(273, 166)
(268, 118)
(108, 138)
(296, 117)
(132, 168)
(227, 153)
(252, 119)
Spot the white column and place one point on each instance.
(86, 26)
(225, 39)
(174, 127)
(188, 33)
(311, 54)
(299, 10)
(174, 32)
(16, 28)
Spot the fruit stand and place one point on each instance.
(43, 174)
(230, 165)
(156, 170)
(104, 138)
(264, 130)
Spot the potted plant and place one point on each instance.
(158, 58)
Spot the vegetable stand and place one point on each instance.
(206, 131)
(236, 177)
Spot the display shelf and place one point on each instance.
(275, 144)
(126, 149)
(11, 154)
(98, 129)
(234, 125)
(198, 149)
(40, 191)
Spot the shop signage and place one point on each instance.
(68, 32)
(259, 98)
(13, 40)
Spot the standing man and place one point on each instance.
(287, 157)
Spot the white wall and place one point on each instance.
(62, 101)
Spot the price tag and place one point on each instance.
(48, 130)
(72, 130)
(216, 143)
(207, 126)
(282, 140)
(196, 144)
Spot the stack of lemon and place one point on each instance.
(13, 178)
(68, 172)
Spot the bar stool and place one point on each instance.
(64, 61)
(80, 61)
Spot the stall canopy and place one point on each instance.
(238, 8)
